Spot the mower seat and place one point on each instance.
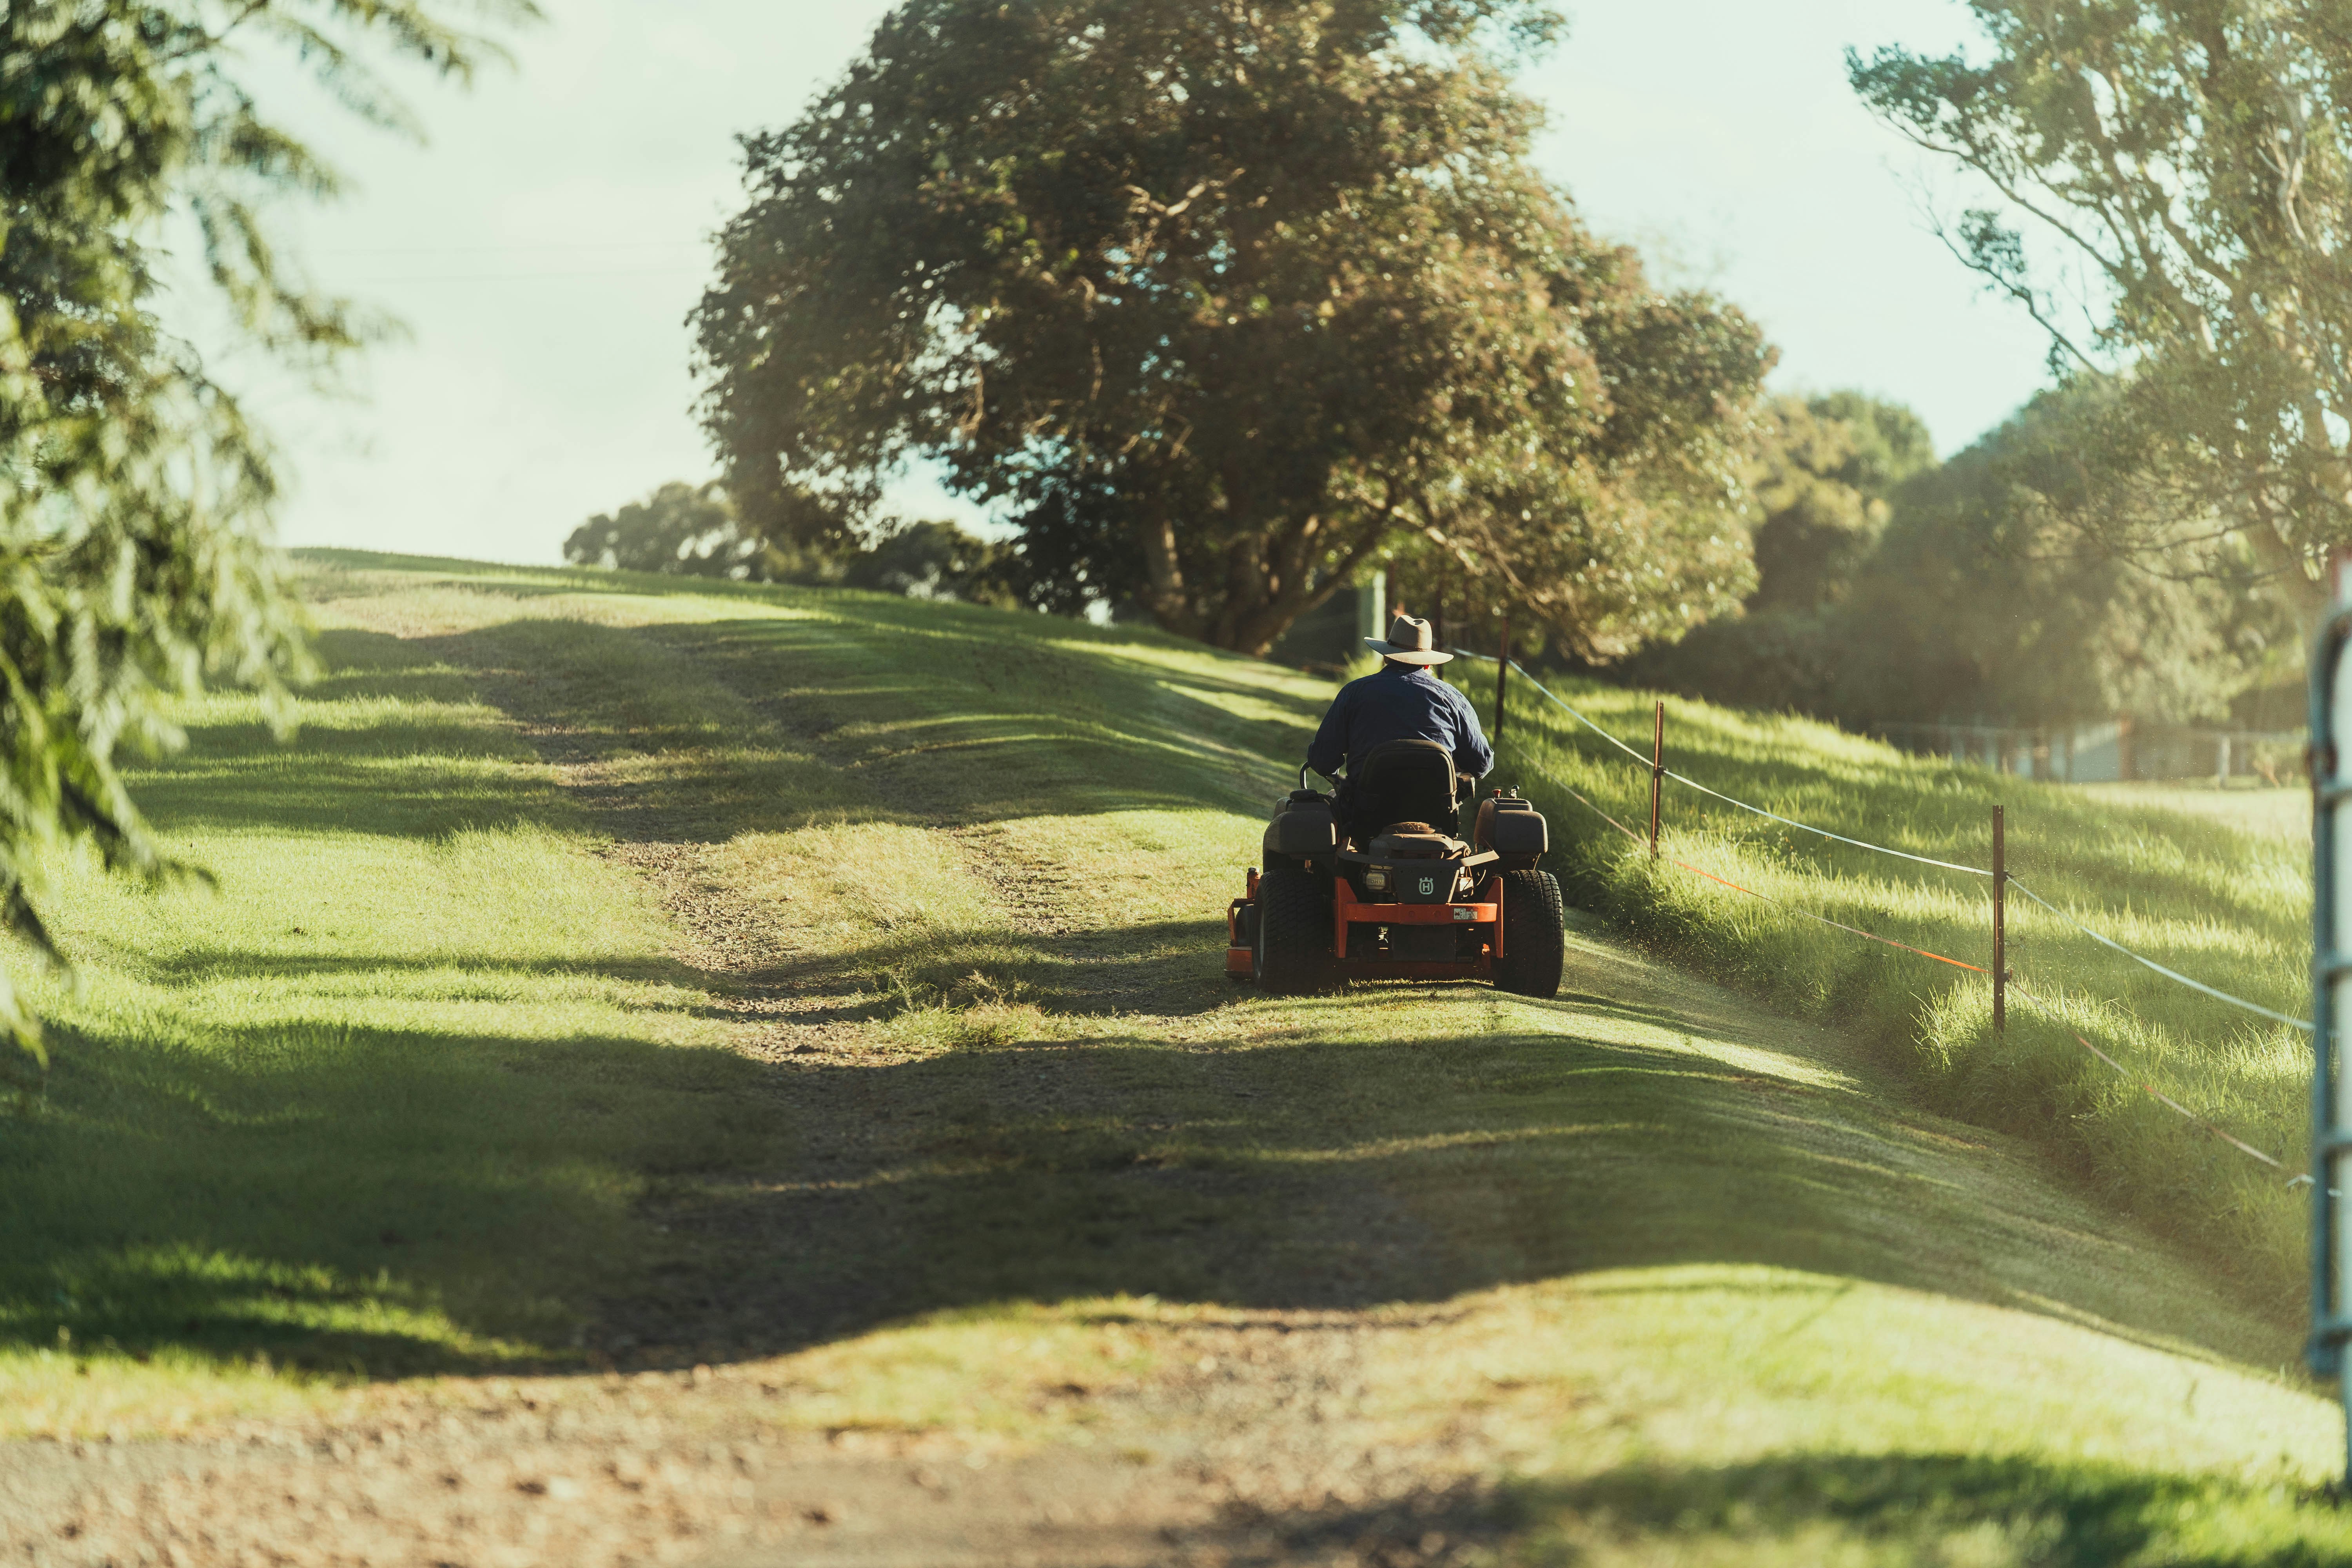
(1403, 782)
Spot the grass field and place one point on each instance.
(2214, 884)
(2283, 812)
(827, 989)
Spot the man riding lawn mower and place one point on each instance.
(1373, 881)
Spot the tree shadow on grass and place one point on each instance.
(407, 1200)
(402, 1201)
(1311, 1171)
(349, 1199)
(965, 723)
(980, 729)
(2081, 1515)
(975, 730)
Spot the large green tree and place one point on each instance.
(2190, 159)
(133, 493)
(1824, 475)
(1219, 302)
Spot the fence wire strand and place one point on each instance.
(1809, 827)
(1562, 783)
(1825, 919)
(2205, 1124)
(1571, 713)
(1577, 794)
(2174, 975)
(2049, 1011)
(1727, 800)
(2302, 1024)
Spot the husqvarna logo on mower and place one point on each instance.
(1428, 885)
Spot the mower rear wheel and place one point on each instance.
(1535, 935)
(1292, 952)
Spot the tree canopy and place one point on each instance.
(2191, 157)
(1975, 595)
(1220, 302)
(694, 530)
(680, 528)
(133, 493)
(1826, 466)
(1983, 600)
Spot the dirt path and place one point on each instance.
(1255, 1440)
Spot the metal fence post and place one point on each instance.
(1657, 771)
(1502, 673)
(2331, 989)
(2000, 923)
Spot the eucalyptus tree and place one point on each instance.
(135, 493)
(2189, 159)
(1220, 302)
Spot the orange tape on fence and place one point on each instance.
(1587, 803)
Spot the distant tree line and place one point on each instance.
(1894, 588)
(1223, 307)
(695, 531)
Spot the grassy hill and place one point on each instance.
(618, 976)
(2216, 886)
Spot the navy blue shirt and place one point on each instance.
(1400, 702)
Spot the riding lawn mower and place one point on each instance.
(1380, 886)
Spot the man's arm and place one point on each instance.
(1473, 757)
(1329, 747)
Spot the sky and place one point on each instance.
(543, 249)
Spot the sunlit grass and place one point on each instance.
(2214, 884)
(417, 1089)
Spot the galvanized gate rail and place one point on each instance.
(2331, 996)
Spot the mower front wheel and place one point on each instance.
(1535, 935)
(1293, 950)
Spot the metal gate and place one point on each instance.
(2331, 992)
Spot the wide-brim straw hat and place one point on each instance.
(1409, 641)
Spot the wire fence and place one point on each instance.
(1559, 783)
(1653, 765)
(2141, 958)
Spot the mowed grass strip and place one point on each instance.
(1690, 1283)
(392, 1099)
(2211, 884)
(381, 1104)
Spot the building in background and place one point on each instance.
(2110, 751)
